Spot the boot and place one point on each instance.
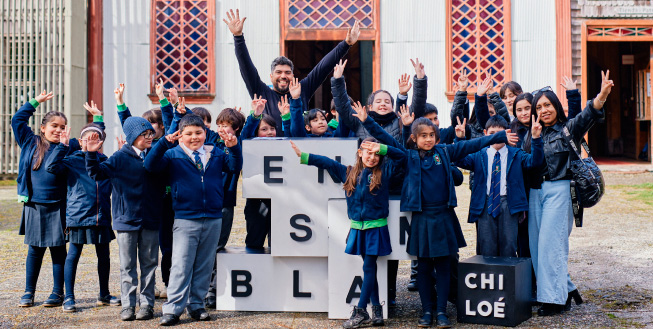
(359, 318)
(377, 315)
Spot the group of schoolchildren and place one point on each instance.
(172, 185)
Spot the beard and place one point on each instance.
(281, 90)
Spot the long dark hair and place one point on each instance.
(267, 119)
(42, 144)
(516, 124)
(354, 173)
(417, 126)
(512, 86)
(551, 96)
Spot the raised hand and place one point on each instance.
(606, 87)
(295, 88)
(404, 84)
(284, 106)
(121, 141)
(407, 118)
(536, 126)
(484, 86)
(371, 146)
(118, 93)
(230, 140)
(234, 22)
(339, 69)
(296, 149)
(44, 96)
(258, 105)
(174, 96)
(93, 142)
(353, 33)
(158, 88)
(460, 128)
(568, 83)
(65, 136)
(172, 138)
(92, 108)
(463, 81)
(360, 111)
(181, 107)
(513, 138)
(419, 68)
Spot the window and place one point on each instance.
(478, 40)
(182, 48)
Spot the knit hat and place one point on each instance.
(134, 126)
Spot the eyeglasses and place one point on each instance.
(547, 88)
(147, 134)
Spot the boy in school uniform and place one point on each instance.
(195, 172)
(498, 195)
(136, 208)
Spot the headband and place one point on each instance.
(91, 128)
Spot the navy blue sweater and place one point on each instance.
(195, 194)
(298, 128)
(137, 194)
(88, 201)
(309, 84)
(518, 160)
(363, 205)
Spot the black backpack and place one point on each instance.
(587, 177)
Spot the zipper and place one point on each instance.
(97, 203)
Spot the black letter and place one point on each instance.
(295, 286)
(293, 223)
(235, 283)
(356, 284)
(267, 169)
(320, 173)
(404, 229)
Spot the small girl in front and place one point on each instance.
(366, 184)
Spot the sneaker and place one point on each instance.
(108, 300)
(442, 321)
(200, 314)
(27, 300)
(169, 320)
(377, 315)
(69, 305)
(127, 314)
(53, 301)
(359, 318)
(145, 313)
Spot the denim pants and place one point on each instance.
(550, 219)
(498, 236)
(193, 254)
(143, 246)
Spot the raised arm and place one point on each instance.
(57, 163)
(418, 105)
(249, 130)
(460, 107)
(297, 127)
(336, 170)
(499, 106)
(594, 111)
(98, 171)
(341, 99)
(248, 71)
(233, 161)
(157, 161)
(404, 88)
(460, 149)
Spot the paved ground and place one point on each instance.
(611, 261)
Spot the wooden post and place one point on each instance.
(563, 46)
(95, 52)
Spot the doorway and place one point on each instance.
(358, 73)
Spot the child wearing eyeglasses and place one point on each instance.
(136, 200)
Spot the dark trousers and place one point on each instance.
(33, 267)
(165, 238)
(258, 220)
(498, 236)
(103, 267)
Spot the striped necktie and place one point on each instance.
(494, 209)
(198, 162)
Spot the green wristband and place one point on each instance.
(257, 117)
(164, 102)
(304, 158)
(34, 102)
(285, 117)
(98, 118)
(122, 107)
(383, 150)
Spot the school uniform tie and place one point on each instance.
(142, 155)
(198, 162)
(494, 209)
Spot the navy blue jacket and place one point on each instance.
(166, 113)
(137, 194)
(298, 128)
(195, 194)
(89, 201)
(411, 192)
(517, 161)
(363, 205)
(309, 84)
(56, 188)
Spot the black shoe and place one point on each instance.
(69, 305)
(145, 313)
(550, 309)
(577, 299)
(53, 301)
(426, 320)
(210, 302)
(27, 300)
(442, 321)
(377, 315)
(412, 285)
(127, 314)
(359, 318)
(169, 320)
(200, 314)
(108, 300)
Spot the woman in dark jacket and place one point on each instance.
(550, 216)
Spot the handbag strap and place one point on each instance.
(567, 135)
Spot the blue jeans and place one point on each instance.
(193, 254)
(103, 267)
(550, 219)
(141, 246)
